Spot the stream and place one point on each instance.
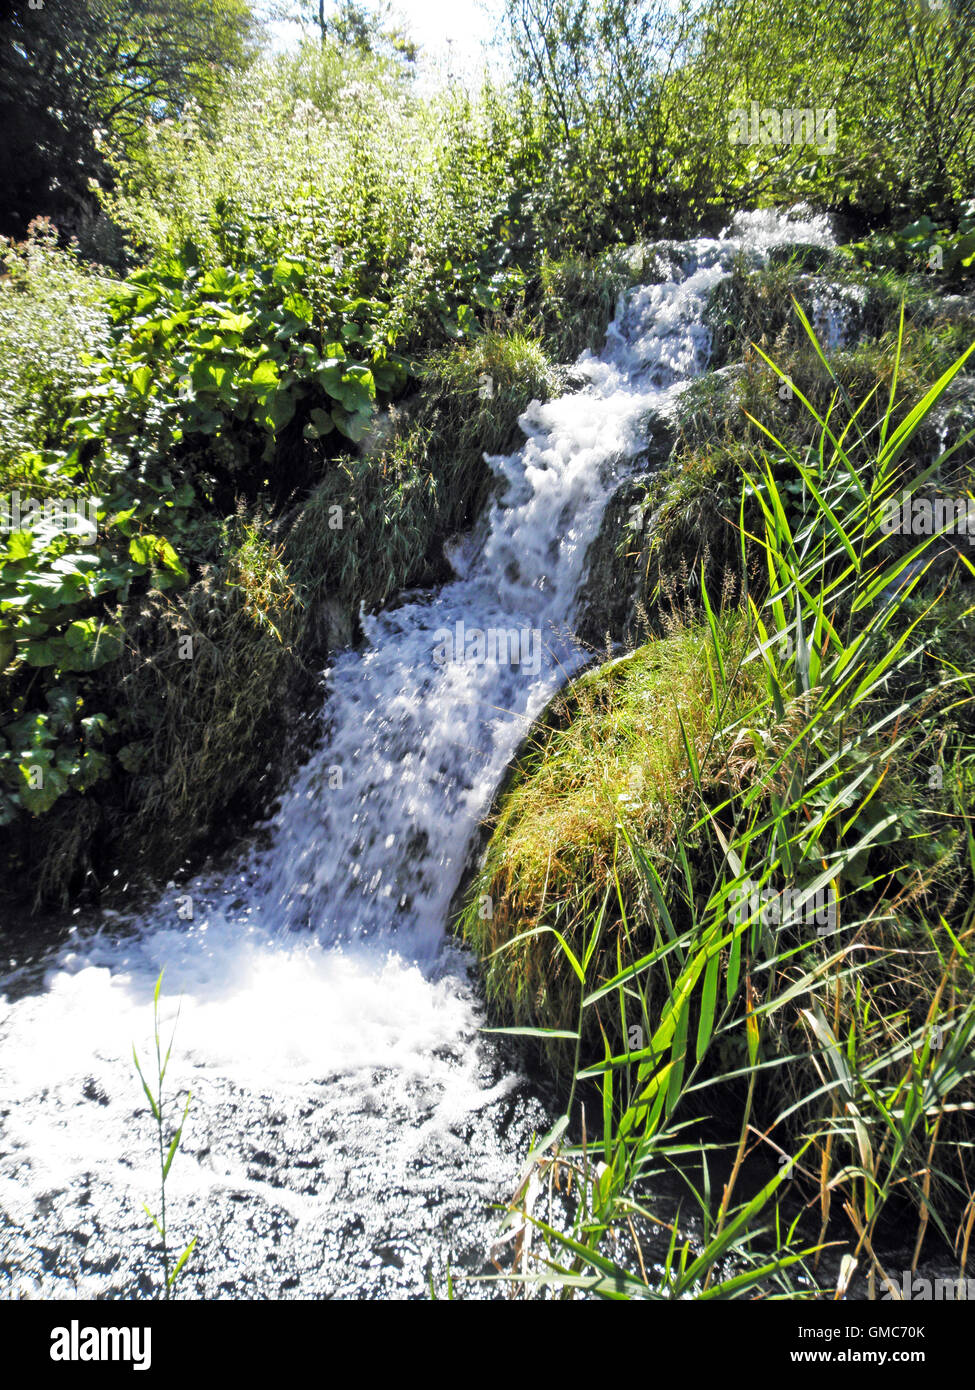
(350, 1127)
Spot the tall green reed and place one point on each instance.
(821, 1020)
(168, 1142)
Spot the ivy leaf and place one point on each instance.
(155, 551)
(133, 756)
(355, 389)
(90, 644)
(208, 376)
(201, 419)
(140, 549)
(91, 767)
(43, 653)
(19, 546)
(124, 520)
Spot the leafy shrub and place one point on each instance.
(399, 201)
(53, 316)
(223, 360)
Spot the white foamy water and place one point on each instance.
(835, 308)
(348, 1130)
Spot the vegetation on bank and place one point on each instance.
(679, 521)
(281, 420)
(732, 876)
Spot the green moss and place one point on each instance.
(609, 749)
(755, 306)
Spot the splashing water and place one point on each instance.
(836, 309)
(349, 1129)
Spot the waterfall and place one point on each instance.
(349, 1128)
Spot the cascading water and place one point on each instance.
(349, 1129)
(836, 309)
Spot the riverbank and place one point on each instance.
(730, 876)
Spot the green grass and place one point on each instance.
(169, 1136)
(787, 741)
(576, 299)
(609, 751)
(690, 506)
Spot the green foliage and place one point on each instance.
(242, 367)
(401, 202)
(941, 250)
(355, 26)
(629, 111)
(53, 317)
(947, 248)
(376, 523)
(577, 298)
(475, 392)
(345, 292)
(595, 122)
(333, 263)
(225, 353)
(643, 902)
(168, 1140)
(57, 599)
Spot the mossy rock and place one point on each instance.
(607, 605)
(609, 746)
(804, 257)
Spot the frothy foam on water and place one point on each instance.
(348, 1127)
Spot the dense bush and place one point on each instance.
(53, 316)
(276, 320)
(629, 111)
